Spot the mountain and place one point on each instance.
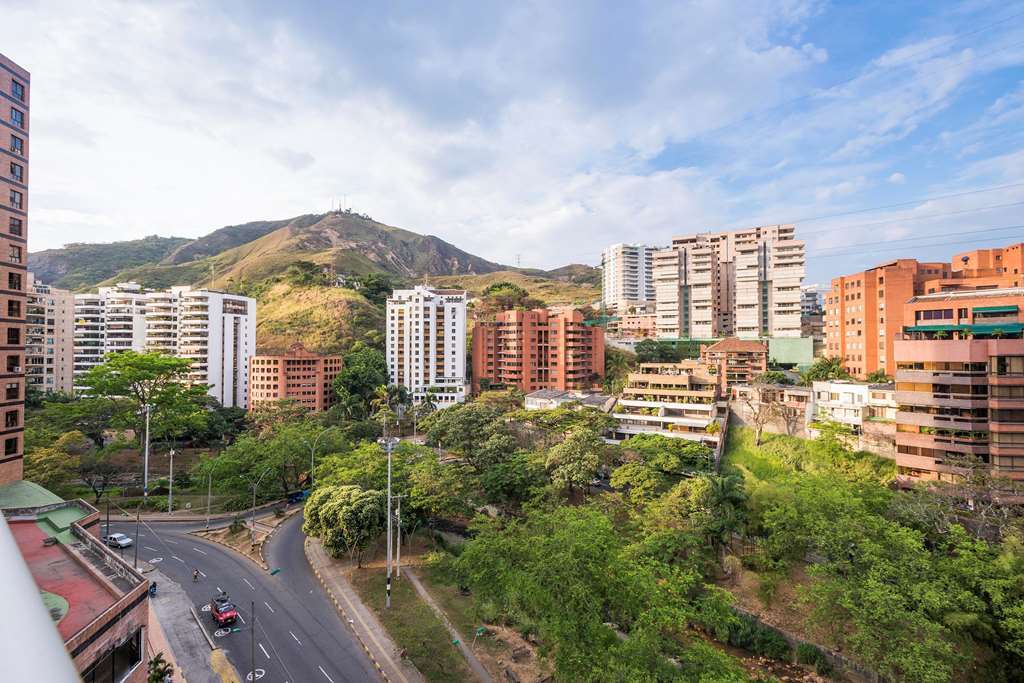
(83, 265)
(550, 290)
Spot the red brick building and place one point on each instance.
(535, 350)
(735, 361)
(299, 375)
(15, 86)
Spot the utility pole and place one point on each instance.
(398, 540)
(170, 484)
(388, 446)
(209, 490)
(252, 607)
(108, 515)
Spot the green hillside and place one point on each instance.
(80, 265)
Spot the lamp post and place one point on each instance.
(252, 534)
(170, 484)
(389, 444)
(312, 451)
(145, 460)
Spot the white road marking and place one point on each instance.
(202, 573)
(268, 606)
(201, 552)
(219, 590)
(325, 673)
(240, 618)
(265, 653)
(167, 540)
(296, 639)
(178, 559)
(248, 584)
(149, 548)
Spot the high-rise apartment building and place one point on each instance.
(298, 375)
(959, 367)
(49, 337)
(627, 275)
(537, 349)
(215, 330)
(113, 319)
(864, 312)
(426, 343)
(744, 283)
(15, 84)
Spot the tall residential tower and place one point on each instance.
(627, 276)
(15, 87)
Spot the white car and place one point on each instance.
(117, 540)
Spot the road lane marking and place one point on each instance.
(202, 573)
(240, 617)
(219, 589)
(296, 639)
(149, 548)
(325, 673)
(178, 559)
(268, 606)
(265, 653)
(201, 552)
(248, 584)
(167, 540)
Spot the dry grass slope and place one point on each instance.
(547, 290)
(324, 319)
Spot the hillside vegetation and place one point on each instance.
(547, 290)
(324, 319)
(79, 265)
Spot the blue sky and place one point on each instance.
(542, 131)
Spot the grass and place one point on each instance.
(743, 457)
(458, 607)
(546, 289)
(413, 626)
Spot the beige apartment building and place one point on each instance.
(677, 400)
(15, 86)
(743, 283)
(49, 337)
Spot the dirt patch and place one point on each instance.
(244, 541)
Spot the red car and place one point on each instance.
(222, 611)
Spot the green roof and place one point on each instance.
(25, 494)
(995, 309)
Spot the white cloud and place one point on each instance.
(897, 178)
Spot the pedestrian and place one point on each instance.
(195, 576)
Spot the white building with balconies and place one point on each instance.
(113, 319)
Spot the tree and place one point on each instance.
(345, 518)
(56, 466)
(92, 416)
(472, 430)
(363, 370)
(773, 377)
(824, 370)
(761, 409)
(509, 483)
(878, 377)
(654, 351)
(639, 480)
(377, 287)
(158, 669)
(617, 364)
(574, 462)
(98, 471)
(268, 416)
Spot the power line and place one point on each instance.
(914, 239)
(912, 218)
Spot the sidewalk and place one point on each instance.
(188, 644)
(158, 644)
(474, 663)
(371, 634)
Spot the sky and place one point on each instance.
(532, 133)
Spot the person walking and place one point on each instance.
(195, 576)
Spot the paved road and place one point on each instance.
(299, 638)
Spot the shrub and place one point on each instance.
(236, 525)
(748, 634)
(807, 654)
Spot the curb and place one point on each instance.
(262, 565)
(201, 628)
(343, 614)
(270, 535)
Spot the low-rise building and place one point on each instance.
(678, 400)
(549, 399)
(533, 350)
(735, 361)
(790, 408)
(298, 375)
(100, 603)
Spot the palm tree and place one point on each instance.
(725, 501)
(159, 669)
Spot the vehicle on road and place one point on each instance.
(223, 610)
(117, 541)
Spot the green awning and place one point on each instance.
(995, 309)
(1005, 328)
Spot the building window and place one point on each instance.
(17, 145)
(18, 91)
(14, 281)
(17, 199)
(115, 664)
(17, 172)
(10, 419)
(14, 254)
(13, 309)
(14, 226)
(11, 445)
(18, 118)
(12, 392)
(13, 336)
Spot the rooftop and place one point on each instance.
(736, 345)
(25, 494)
(970, 294)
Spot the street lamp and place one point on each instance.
(252, 535)
(389, 445)
(312, 451)
(170, 484)
(145, 488)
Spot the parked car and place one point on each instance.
(223, 610)
(117, 541)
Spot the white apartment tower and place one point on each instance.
(744, 283)
(627, 275)
(49, 337)
(426, 343)
(214, 330)
(113, 319)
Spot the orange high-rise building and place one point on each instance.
(15, 86)
(299, 375)
(537, 349)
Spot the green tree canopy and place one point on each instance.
(364, 369)
(825, 369)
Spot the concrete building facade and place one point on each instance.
(627, 275)
(678, 400)
(426, 343)
(298, 375)
(744, 283)
(735, 361)
(536, 349)
(49, 338)
(113, 319)
(16, 87)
